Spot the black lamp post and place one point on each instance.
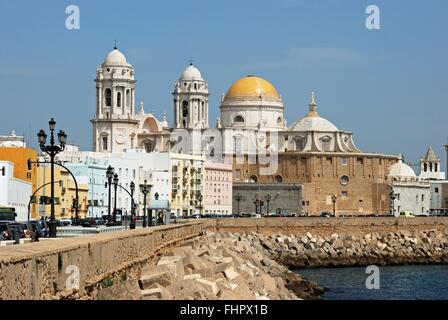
(238, 198)
(115, 198)
(52, 150)
(145, 189)
(333, 199)
(109, 176)
(132, 187)
(268, 199)
(200, 198)
(393, 197)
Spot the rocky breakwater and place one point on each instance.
(223, 266)
(340, 249)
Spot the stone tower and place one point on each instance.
(114, 125)
(190, 98)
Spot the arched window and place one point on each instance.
(118, 99)
(185, 109)
(326, 144)
(149, 146)
(299, 143)
(128, 98)
(253, 178)
(238, 119)
(279, 120)
(278, 179)
(105, 144)
(425, 167)
(108, 97)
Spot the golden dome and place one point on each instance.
(252, 87)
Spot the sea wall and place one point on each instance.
(41, 270)
(312, 249)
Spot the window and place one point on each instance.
(344, 194)
(104, 143)
(278, 179)
(108, 97)
(359, 161)
(238, 174)
(185, 109)
(423, 198)
(344, 180)
(326, 144)
(119, 99)
(344, 161)
(238, 119)
(436, 190)
(330, 160)
(299, 143)
(3, 171)
(128, 98)
(279, 120)
(253, 178)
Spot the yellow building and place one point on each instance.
(64, 193)
(187, 184)
(19, 157)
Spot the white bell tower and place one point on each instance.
(190, 100)
(114, 124)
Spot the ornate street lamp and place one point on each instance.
(393, 197)
(115, 198)
(132, 187)
(52, 150)
(268, 199)
(238, 198)
(109, 176)
(145, 189)
(333, 199)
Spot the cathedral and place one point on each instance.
(306, 168)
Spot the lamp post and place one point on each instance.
(268, 199)
(393, 197)
(132, 187)
(200, 198)
(109, 176)
(238, 198)
(333, 199)
(52, 150)
(145, 189)
(115, 198)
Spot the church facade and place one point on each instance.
(312, 159)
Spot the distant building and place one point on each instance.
(64, 193)
(187, 172)
(14, 192)
(18, 155)
(430, 166)
(217, 180)
(411, 192)
(12, 141)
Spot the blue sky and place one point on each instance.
(388, 86)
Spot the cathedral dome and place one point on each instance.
(401, 169)
(313, 121)
(191, 73)
(115, 58)
(252, 87)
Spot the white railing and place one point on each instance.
(67, 232)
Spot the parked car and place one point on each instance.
(89, 222)
(4, 229)
(325, 214)
(11, 228)
(41, 227)
(407, 214)
(99, 221)
(66, 222)
(27, 229)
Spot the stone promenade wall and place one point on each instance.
(40, 270)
